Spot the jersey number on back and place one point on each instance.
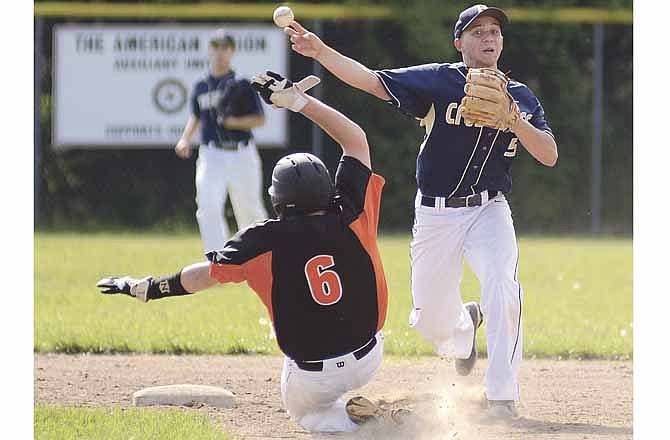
(324, 283)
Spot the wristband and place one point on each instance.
(166, 286)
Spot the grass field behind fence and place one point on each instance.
(57, 422)
(578, 298)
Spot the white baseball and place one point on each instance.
(283, 16)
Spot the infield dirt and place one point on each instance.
(566, 400)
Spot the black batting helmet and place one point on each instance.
(300, 184)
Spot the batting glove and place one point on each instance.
(281, 92)
(126, 285)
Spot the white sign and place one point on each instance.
(130, 86)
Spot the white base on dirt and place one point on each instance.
(184, 395)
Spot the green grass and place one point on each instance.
(65, 423)
(578, 298)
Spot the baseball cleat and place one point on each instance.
(361, 410)
(501, 411)
(464, 366)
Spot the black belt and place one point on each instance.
(358, 354)
(458, 202)
(231, 146)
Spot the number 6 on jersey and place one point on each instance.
(324, 284)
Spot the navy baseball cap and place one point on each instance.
(221, 37)
(469, 15)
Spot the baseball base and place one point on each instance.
(184, 395)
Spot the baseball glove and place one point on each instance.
(281, 92)
(487, 101)
(236, 100)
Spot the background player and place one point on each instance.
(316, 268)
(463, 172)
(225, 109)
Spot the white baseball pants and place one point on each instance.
(217, 173)
(313, 399)
(485, 236)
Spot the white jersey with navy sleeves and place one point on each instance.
(457, 159)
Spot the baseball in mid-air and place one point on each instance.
(283, 16)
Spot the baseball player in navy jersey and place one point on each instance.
(225, 110)
(316, 268)
(463, 174)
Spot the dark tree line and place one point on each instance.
(147, 188)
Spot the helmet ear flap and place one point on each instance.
(278, 210)
(278, 206)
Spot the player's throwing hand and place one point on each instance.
(304, 42)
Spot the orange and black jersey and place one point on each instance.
(319, 276)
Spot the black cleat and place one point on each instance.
(464, 366)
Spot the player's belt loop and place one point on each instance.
(434, 202)
(428, 201)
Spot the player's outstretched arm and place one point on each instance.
(280, 92)
(190, 279)
(346, 69)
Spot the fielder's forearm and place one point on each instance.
(343, 130)
(539, 144)
(244, 122)
(192, 125)
(352, 72)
